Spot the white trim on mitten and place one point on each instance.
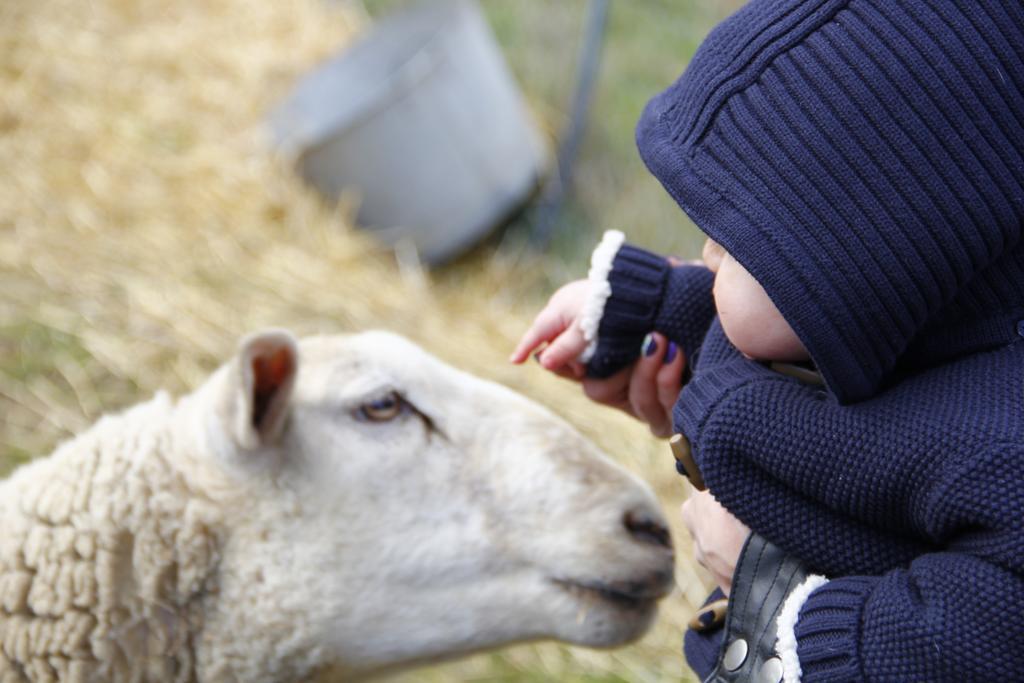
(600, 289)
(785, 625)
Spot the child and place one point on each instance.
(861, 165)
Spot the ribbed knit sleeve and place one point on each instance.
(910, 502)
(863, 160)
(948, 617)
(649, 295)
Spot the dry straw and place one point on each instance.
(144, 228)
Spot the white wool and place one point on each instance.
(178, 542)
(600, 289)
(104, 553)
(785, 626)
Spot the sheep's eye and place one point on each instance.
(383, 409)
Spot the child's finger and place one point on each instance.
(566, 347)
(573, 370)
(545, 327)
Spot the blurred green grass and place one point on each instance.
(35, 360)
(647, 44)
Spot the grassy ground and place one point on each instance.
(144, 228)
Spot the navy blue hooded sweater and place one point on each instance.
(864, 160)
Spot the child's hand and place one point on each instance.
(558, 324)
(647, 389)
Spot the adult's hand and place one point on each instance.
(718, 537)
(648, 388)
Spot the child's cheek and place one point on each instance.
(750, 319)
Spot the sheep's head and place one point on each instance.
(393, 509)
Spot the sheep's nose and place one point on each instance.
(644, 528)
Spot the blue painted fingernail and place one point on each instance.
(650, 345)
(670, 353)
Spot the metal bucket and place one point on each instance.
(423, 119)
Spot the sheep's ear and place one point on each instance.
(262, 382)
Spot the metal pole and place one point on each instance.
(559, 184)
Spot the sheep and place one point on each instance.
(334, 508)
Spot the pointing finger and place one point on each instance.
(565, 348)
(546, 326)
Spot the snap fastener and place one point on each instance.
(735, 655)
(1020, 328)
(685, 463)
(771, 671)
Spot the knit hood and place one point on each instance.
(864, 160)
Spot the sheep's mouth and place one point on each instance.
(624, 594)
